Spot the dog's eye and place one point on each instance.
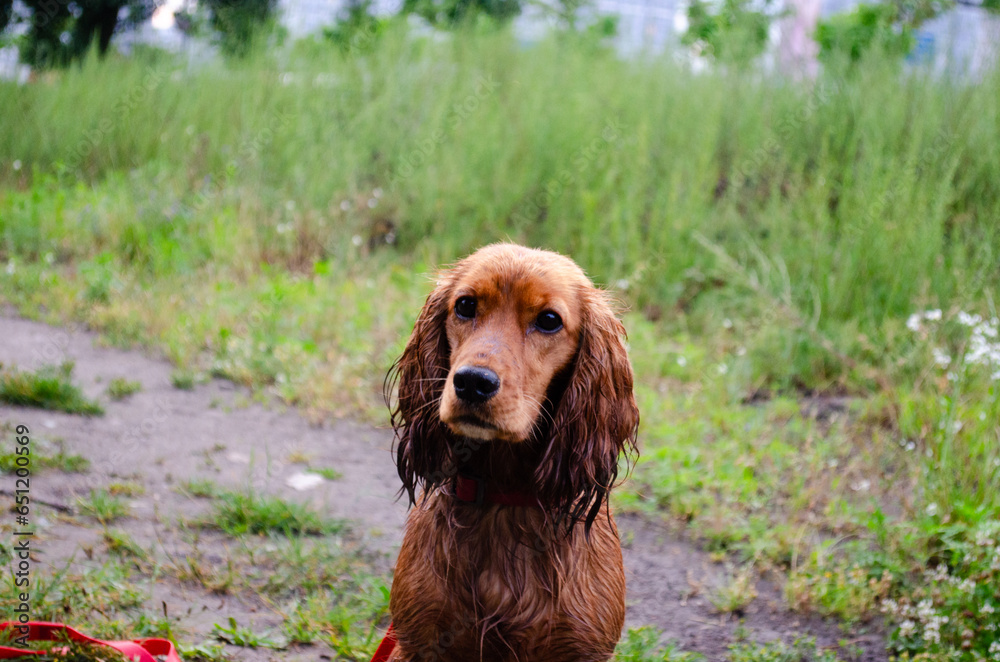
(549, 322)
(465, 308)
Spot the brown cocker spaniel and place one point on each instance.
(514, 406)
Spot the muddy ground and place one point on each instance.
(163, 435)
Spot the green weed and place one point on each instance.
(201, 488)
(643, 645)
(43, 457)
(103, 506)
(49, 387)
(120, 388)
(238, 513)
(239, 635)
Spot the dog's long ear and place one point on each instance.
(595, 418)
(422, 442)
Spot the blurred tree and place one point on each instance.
(357, 29)
(97, 21)
(46, 42)
(887, 27)
(240, 23)
(59, 32)
(735, 33)
(6, 13)
(452, 12)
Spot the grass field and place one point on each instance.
(810, 270)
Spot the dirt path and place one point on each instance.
(163, 435)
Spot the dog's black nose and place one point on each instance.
(474, 384)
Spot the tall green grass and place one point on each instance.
(834, 206)
(275, 223)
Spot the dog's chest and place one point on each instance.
(501, 587)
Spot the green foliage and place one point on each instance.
(736, 32)
(201, 488)
(246, 637)
(454, 12)
(103, 506)
(952, 612)
(43, 454)
(120, 388)
(183, 379)
(329, 473)
(239, 513)
(120, 544)
(6, 13)
(885, 28)
(241, 24)
(49, 387)
(643, 645)
(801, 650)
(60, 32)
(357, 30)
(865, 28)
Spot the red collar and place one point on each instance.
(475, 490)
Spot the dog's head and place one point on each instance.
(517, 346)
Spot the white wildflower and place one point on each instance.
(940, 357)
(933, 315)
(913, 322)
(995, 648)
(722, 368)
(931, 509)
(987, 609)
(622, 283)
(17, 164)
(890, 606)
(727, 323)
(925, 608)
(932, 631)
(966, 319)
(681, 361)
(907, 628)
(357, 240)
(968, 586)
(10, 267)
(984, 536)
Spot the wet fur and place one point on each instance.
(502, 583)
